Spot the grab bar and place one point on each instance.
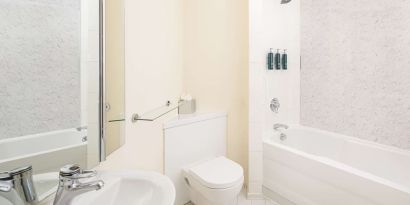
(136, 117)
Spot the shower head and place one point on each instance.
(285, 1)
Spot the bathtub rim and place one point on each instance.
(357, 140)
(39, 135)
(43, 152)
(334, 164)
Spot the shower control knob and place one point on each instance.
(275, 105)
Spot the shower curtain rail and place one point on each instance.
(136, 117)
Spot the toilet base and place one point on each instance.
(200, 200)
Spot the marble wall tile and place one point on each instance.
(40, 80)
(355, 75)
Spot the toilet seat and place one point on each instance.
(218, 173)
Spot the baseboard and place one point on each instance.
(254, 196)
(275, 197)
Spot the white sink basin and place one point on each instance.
(130, 188)
(120, 188)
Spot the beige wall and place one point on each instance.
(200, 47)
(114, 73)
(216, 64)
(153, 75)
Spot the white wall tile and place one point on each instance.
(255, 139)
(272, 25)
(93, 76)
(93, 45)
(255, 187)
(93, 107)
(93, 14)
(256, 166)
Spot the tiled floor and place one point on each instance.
(243, 201)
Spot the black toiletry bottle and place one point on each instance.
(277, 60)
(284, 60)
(270, 60)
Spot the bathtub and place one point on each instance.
(46, 152)
(314, 167)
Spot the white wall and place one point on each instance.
(89, 77)
(272, 25)
(153, 75)
(355, 71)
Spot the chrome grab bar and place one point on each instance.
(136, 117)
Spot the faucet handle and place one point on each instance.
(280, 127)
(20, 170)
(74, 171)
(5, 186)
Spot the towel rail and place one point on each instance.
(136, 117)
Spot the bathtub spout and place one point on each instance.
(280, 127)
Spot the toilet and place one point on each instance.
(195, 160)
(216, 181)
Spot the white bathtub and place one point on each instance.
(313, 167)
(46, 152)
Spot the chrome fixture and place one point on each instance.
(70, 185)
(81, 128)
(136, 117)
(282, 137)
(101, 104)
(280, 128)
(17, 186)
(275, 105)
(285, 1)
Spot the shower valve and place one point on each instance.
(275, 105)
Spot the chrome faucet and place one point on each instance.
(70, 186)
(274, 105)
(17, 186)
(280, 128)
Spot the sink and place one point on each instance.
(120, 188)
(130, 188)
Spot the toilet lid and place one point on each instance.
(218, 173)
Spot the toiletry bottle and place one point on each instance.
(277, 60)
(270, 60)
(284, 60)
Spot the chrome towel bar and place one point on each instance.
(136, 117)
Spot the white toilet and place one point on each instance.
(216, 181)
(194, 159)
